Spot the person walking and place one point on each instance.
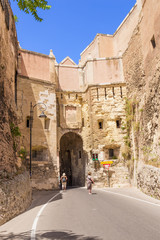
(89, 182)
(64, 181)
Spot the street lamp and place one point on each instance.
(42, 115)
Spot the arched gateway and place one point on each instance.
(72, 159)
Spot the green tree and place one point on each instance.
(31, 6)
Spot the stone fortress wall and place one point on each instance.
(93, 93)
(141, 71)
(15, 188)
(87, 99)
(85, 108)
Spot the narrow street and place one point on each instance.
(111, 214)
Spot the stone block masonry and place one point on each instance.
(148, 180)
(15, 189)
(8, 66)
(15, 196)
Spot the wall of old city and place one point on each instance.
(83, 99)
(148, 180)
(141, 70)
(8, 66)
(15, 195)
(15, 191)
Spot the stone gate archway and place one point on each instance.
(72, 159)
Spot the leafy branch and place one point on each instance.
(30, 6)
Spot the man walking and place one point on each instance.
(64, 181)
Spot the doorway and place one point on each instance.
(72, 159)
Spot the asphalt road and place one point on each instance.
(111, 214)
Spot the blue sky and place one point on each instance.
(70, 25)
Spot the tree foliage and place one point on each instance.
(31, 6)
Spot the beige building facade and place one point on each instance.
(85, 108)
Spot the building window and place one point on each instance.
(80, 155)
(118, 123)
(121, 92)
(100, 124)
(40, 155)
(105, 93)
(61, 96)
(76, 96)
(153, 42)
(97, 94)
(82, 122)
(111, 153)
(28, 122)
(69, 95)
(34, 153)
(113, 92)
(46, 123)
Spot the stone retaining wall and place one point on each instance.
(44, 176)
(148, 180)
(15, 197)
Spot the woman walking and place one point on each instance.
(89, 182)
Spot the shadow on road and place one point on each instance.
(54, 235)
(42, 197)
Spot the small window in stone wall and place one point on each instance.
(46, 123)
(69, 95)
(153, 42)
(80, 154)
(111, 153)
(82, 122)
(61, 96)
(113, 92)
(118, 123)
(28, 122)
(34, 153)
(100, 124)
(105, 93)
(40, 155)
(97, 94)
(121, 92)
(76, 96)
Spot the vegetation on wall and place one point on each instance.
(127, 128)
(134, 131)
(131, 127)
(15, 132)
(151, 158)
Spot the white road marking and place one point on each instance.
(33, 231)
(138, 199)
(34, 226)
